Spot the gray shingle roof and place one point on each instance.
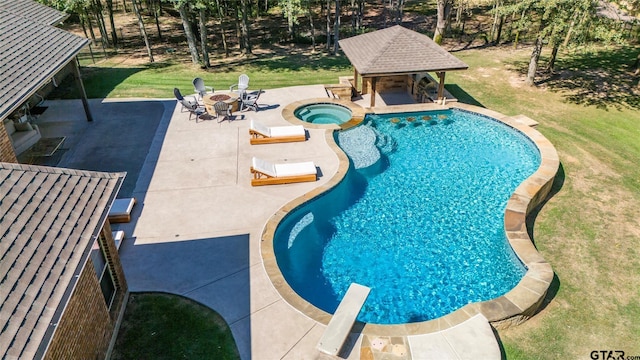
(49, 219)
(30, 54)
(33, 11)
(397, 50)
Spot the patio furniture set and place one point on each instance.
(222, 103)
(238, 99)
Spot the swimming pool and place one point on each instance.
(424, 215)
(323, 113)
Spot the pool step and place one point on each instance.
(343, 319)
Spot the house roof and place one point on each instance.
(31, 53)
(397, 50)
(33, 11)
(49, 220)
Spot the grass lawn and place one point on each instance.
(162, 326)
(110, 78)
(588, 230)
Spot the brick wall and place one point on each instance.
(85, 329)
(87, 326)
(113, 258)
(385, 83)
(6, 148)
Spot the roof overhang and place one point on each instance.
(50, 219)
(34, 11)
(30, 55)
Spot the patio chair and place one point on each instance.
(250, 100)
(262, 134)
(182, 99)
(266, 173)
(200, 88)
(222, 108)
(194, 108)
(242, 85)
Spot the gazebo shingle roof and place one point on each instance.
(30, 54)
(397, 50)
(49, 219)
(33, 11)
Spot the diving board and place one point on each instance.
(343, 319)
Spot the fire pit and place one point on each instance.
(220, 97)
(228, 97)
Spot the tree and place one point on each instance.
(157, 9)
(186, 25)
(202, 22)
(556, 20)
(311, 26)
(244, 28)
(96, 7)
(336, 28)
(222, 33)
(143, 31)
(444, 8)
(291, 9)
(114, 35)
(328, 28)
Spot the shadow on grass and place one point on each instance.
(462, 95)
(167, 326)
(289, 59)
(99, 82)
(558, 183)
(602, 78)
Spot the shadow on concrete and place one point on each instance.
(118, 139)
(215, 272)
(128, 135)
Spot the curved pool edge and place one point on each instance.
(512, 308)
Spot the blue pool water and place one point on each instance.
(418, 218)
(323, 113)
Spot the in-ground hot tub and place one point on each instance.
(324, 113)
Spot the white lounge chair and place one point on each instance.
(262, 134)
(266, 173)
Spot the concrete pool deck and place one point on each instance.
(197, 228)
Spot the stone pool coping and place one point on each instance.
(512, 308)
(357, 113)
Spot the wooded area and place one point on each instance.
(227, 26)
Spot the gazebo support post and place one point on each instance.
(355, 79)
(440, 84)
(372, 103)
(83, 93)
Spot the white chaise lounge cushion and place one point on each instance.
(277, 131)
(260, 128)
(283, 170)
(264, 167)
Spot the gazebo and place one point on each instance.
(399, 58)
